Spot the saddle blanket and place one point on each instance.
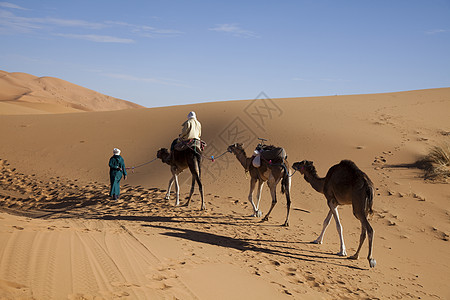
(194, 144)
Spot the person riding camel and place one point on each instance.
(192, 130)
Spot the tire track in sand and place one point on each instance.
(121, 265)
(76, 259)
(29, 259)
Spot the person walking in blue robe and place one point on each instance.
(116, 170)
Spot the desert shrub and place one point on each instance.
(437, 163)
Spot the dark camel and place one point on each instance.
(344, 184)
(178, 161)
(270, 173)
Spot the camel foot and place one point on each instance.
(316, 242)
(372, 262)
(256, 214)
(266, 218)
(354, 257)
(342, 253)
(186, 204)
(286, 224)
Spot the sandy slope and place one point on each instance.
(142, 246)
(22, 93)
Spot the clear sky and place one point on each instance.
(159, 53)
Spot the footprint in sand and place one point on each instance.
(379, 160)
(440, 234)
(293, 276)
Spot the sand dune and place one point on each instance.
(22, 93)
(62, 237)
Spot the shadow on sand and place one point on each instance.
(246, 245)
(158, 214)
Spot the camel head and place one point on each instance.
(163, 154)
(304, 166)
(236, 148)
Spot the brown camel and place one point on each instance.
(178, 161)
(268, 172)
(344, 184)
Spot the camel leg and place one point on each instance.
(362, 237)
(200, 188)
(198, 175)
(372, 261)
(326, 222)
(273, 193)
(167, 197)
(191, 191)
(258, 197)
(365, 227)
(333, 208)
(360, 213)
(177, 189)
(250, 196)
(287, 191)
(196, 171)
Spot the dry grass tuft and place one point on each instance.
(437, 163)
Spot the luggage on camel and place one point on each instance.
(269, 154)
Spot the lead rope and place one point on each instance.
(141, 165)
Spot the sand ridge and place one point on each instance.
(22, 93)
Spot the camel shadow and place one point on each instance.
(245, 245)
(331, 255)
(196, 219)
(175, 219)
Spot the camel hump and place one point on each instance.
(355, 174)
(349, 164)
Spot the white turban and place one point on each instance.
(116, 151)
(192, 115)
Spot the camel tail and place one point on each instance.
(285, 179)
(369, 197)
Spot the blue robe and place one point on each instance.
(116, 170)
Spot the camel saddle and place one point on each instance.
(269, 154)
(194, 144)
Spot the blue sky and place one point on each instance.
(159, 53)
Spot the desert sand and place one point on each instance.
(22, 93)
(62, 237)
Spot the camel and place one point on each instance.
(344, 184)
(268, 172)
(178, 161)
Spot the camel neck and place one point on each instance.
(316, 182)
(243, 159)
(166, 160)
